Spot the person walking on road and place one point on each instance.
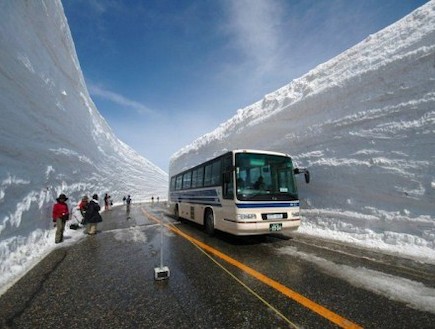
(128, 202)
(60, 216)
(83, 206)
(92, 216)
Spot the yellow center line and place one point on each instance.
(313, 306)
(282, 316)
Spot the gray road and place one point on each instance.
(107, 281)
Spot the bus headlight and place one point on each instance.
(246, 216)
(295, 214)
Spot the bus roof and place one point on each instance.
(260, 151)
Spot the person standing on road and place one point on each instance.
(60, 216)
(128, 202)
(106, 201)
(82, 207)
(92, 216)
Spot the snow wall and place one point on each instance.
(52, 138)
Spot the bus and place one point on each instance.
(241, 192)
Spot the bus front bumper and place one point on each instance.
(262, 227)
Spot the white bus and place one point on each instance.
(242, 192)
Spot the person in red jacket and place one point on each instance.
(60, 216)
(83, 206)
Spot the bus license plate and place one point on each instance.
(275, 227)
(274, 216)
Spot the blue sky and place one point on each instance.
(165, 72)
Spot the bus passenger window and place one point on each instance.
(178, 182)
(207, 175)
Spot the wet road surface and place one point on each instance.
(107, 281)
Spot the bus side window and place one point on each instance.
(216, 173)
(228, 185)
(208, 175)
(187, 180)
(178, 182)
(227, 179)
(172, 188)
(200, 179)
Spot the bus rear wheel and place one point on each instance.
(209, 223)
(176, 213)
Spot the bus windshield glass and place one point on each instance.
(264, 177)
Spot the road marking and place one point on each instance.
(244, 285)
(313, 306)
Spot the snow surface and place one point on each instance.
(52, 138)
(363, 123)
(414, 294)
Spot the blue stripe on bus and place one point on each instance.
(199, 200)
(212, 192)
(210, 197)
(201, 197)
(267, 205)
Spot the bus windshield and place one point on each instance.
(264, 177)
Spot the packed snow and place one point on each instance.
(414, 294)
(53, 140)
(363, 123)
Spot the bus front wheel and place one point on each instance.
(209, 223)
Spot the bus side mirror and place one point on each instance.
(307, 176)
(306, 173)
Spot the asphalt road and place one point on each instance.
(107, 281)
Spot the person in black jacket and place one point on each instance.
(92, 216)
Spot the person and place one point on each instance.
(106, 201)
(60, 216)
(123, 199)
(92, 216)
(259, 184)
(128, 201)
(82, 207)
